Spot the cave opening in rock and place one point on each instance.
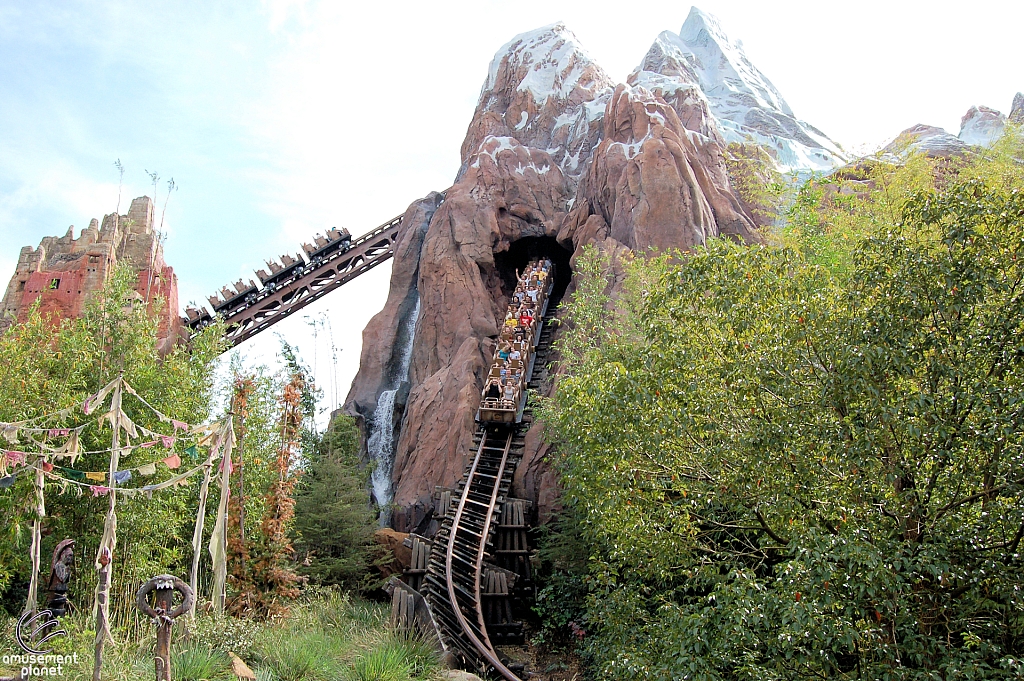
(530, 248)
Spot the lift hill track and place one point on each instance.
(293, 283)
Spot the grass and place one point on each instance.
(195, 662)
(393, 656)
(327, 636)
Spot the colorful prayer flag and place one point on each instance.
(121, 477)
(167, 440)
(147, 470)
(72, 474)
(47, 467)
(6, 482)
(173, 461)
(193, 453)
(98, 477)
(99, 490)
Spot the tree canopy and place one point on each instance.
(805, 460)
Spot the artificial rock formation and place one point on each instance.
(556, 157)
(700, 70)
(63, 272)
(1017, 110)
(981, 126)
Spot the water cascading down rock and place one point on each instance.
(380, 445)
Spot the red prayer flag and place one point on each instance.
(172, 461)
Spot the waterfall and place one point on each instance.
(381, 444)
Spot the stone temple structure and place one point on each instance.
(63, 272)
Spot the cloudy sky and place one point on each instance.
(282, 118)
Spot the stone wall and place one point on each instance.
(63, 272)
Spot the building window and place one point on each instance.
(54, 284)
(21, 286)
(94, 258)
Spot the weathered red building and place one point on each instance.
(63, 272)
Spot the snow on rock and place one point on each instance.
(1017, 110)
(927, 139)
(744, 103)
(981, 126)
(544, 90)
(652, 183)
(666, 72)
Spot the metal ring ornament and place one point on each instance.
(165, 582)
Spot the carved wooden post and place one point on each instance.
(164, 615)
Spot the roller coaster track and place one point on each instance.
(253, 309)
(464, 540)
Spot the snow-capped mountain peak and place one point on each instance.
(723, 67)
(543, 91)
(745, 104)
(551, 60)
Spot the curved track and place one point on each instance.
(464, 540)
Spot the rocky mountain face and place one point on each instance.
(701, 69)
(556, 157)
(1017, 110)
(981, 126)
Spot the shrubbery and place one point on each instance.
(805, 461)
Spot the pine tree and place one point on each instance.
(334, 521)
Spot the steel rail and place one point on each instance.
(484, 647)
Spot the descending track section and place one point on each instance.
(329, 262)
(464, 544)
(457, 561)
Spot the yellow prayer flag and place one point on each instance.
(98, 477)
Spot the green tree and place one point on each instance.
(47, 365)
(787, 470)
(334, 520)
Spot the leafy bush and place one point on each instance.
(787, 469)
(561, 607)
(238, 635)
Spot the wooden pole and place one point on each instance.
(197, 537)
(36, 550)
(105, 555)
(162, 658)
(163, 616)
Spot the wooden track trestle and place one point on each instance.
(457, 603)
